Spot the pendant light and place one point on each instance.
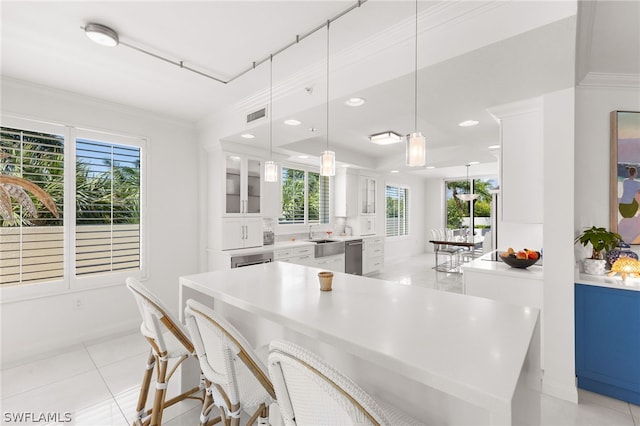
(270, 167)
(328, 158)
(416, 143)
(470, 196)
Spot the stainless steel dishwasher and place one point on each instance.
(353, 257)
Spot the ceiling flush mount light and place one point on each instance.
(416, 143)
(328, 158)
(386, 138)
(292, 122)
(270, 167)
(247, 136)
(101, 34)
(468, 123)
(470, 196)
(354, 102)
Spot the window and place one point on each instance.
(107, 207)
(305, 197)
(100, 231)
(470, 215)
(31, 203)
(397, 211)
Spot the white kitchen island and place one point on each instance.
(444, 358)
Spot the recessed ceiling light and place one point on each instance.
(345, 166)
(393, 171)
(292, 122)
(494, 147)
(473, 162)
(431, 167)
(303, 156)
(386, 138)
(234, 157)
(247, 136)
(354, 102)
(468, 123)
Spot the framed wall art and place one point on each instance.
(625, 175)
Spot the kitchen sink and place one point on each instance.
(325, 248)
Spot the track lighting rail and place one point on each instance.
(108, 32)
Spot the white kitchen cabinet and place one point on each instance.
(243, 188)
(521, 163)
(298, 255)
(331, 263)
(372, 254)
(367, 195)
(241, 232)
(346, 192)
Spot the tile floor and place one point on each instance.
(98, 382)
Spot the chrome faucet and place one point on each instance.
(310, 233)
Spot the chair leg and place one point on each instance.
(161, 390)
(144, 390)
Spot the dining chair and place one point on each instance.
(169, 342)
(312, 392)
(236, 379)
(440, 234)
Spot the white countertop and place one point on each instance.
(469, 347)
(484, 264)
(614, 282)
(288, 244)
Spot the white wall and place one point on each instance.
(558, 298)
(414, 243)
(593, 106)
(48, 323)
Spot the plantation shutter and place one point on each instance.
(31, 236)
(305, 197)
(293, 192)
(107, 207)
(397, 215)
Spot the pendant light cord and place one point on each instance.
(415, 77)
(328, 23)
(271, 107)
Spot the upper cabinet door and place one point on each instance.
(367, 195)
(253, 186)
(243, 185)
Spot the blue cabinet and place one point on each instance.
(608, 341)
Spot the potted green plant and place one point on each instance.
(600, 240)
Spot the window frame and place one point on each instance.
(290, 228)
(407, 207)
(70, 282)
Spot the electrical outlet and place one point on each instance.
(77, 304)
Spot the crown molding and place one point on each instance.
(611, 80)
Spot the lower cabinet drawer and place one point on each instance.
(372, 264)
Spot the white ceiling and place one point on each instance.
(466, 65)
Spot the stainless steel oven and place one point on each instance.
(251, 259)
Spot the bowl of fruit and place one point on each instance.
(520, 259)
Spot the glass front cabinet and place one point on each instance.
(243, 185)
(367, 195)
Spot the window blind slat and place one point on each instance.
(32, 248)
(397, 213)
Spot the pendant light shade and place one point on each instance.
(416, 150)
(270, 171)
(470, 196)
(328, 158)
(270, 167)
(328, 163)
(416, 143)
